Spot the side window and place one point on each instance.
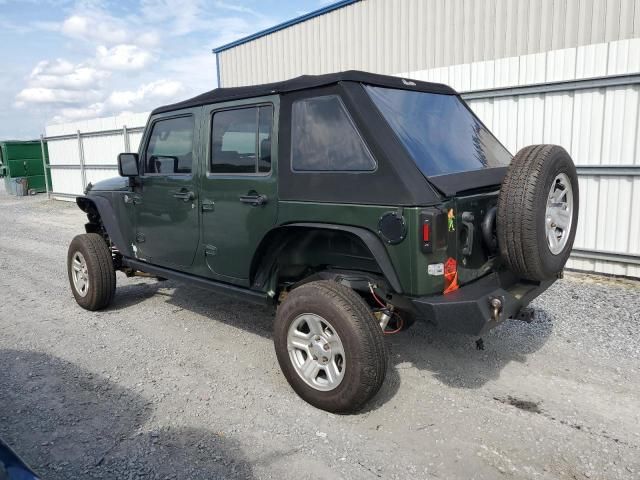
(241, 140)
(170, 147)
(324, 137)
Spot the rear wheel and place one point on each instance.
(329, 346)
(91, 273)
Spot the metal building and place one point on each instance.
(535, 71)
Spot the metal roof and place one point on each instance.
(288, 23)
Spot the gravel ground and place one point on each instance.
(173, 382)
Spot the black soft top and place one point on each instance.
(303, 82)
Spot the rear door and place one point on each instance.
(167, 220)
(239, 192)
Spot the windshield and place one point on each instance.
(439, 131)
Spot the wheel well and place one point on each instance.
(291, 253)
(95, 223)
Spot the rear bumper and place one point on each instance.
(468, 309)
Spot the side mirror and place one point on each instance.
(128, 165)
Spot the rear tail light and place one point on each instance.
(426, 232)
(426, 219)
(450, 275)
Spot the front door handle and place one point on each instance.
(255, 200)
(184, 195)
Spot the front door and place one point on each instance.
(239, 192)
(167, 227)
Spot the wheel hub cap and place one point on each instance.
(316, 352)
(559, 214)
(80, 274)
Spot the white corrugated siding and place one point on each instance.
(599, 126)
(98, 150)
(387, 36)
(485, 44)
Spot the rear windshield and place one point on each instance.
(439, 131)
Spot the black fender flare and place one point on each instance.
(108, 218)
(370, 239)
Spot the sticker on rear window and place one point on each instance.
(435, 269)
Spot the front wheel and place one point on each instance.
(330, 347)
(91, 273)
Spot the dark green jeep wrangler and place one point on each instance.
(353, 202)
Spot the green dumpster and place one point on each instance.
(24, 159)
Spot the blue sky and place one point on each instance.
(72, 60)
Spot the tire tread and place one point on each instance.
(102, 275)
(373, 354)
(518, 204)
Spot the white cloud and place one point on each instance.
(128, 57)
(43, 95)
(145, 97)
(183, 16)
(70, 114)
(236, 8)
(62, 74)
(145, 94)
(123, 57)
(62, 82)
(96, 25)
(87, 27)
(59, 66)
(199, 68)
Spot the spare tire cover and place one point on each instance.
(538, 212)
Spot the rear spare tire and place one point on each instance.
(329, 346)
(538, 212)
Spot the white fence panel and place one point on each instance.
(64, 152)
(103, 149)
(87, 151)
(67, 181)
(98, 174)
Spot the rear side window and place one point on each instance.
(324, 138)
(170, 147)
(241, 140)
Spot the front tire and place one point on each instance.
(330, 346)
(91, 274)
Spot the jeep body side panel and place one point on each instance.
(408, 263)
(370, 240)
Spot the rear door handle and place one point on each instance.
(254, 200)
(184, 195)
